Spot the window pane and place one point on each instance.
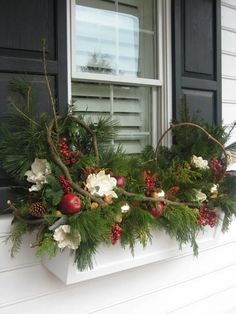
(115, 37)
(129, 105)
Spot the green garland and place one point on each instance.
(77, 191)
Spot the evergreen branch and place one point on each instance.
(16, 237)
(90, 131)
(11, 102)
(65, 170)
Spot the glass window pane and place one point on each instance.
(128, 105)
(115, 37)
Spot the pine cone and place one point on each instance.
(37, 209)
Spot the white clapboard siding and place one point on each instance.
(228, 16)
(181, 279)
(229, 63)
(229, 89)
(229, 41)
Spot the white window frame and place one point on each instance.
(161, 87)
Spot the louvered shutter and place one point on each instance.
(128, 105)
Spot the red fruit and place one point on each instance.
(70, 204)
(121, 182)
(154, 212)
(162, 206)
(157, 212)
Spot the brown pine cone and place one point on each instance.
(37, 210)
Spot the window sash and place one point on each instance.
(161, 87)
(76, 75)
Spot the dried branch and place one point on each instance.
(194, 125)
(65, 170)
(20, 218)
(52, 99)
(153, 199)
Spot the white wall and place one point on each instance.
(178, 284)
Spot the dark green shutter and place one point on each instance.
(23, 24)
(197, 57)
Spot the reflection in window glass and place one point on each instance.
(115, 37)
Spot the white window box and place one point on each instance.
(113, 259)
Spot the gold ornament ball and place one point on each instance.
(94, 205)
(155, 195)
(108, 199)
(119, 218)
(58, 213)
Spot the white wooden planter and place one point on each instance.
(113, 259)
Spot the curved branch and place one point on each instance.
(194, 125)
(56, 158)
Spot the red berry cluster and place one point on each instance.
(65, 185)
(217, 168)
(116, 233)
(207, 217)
(150, 182)
(69, 157)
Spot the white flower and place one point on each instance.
(199, 162)
(161, 193)
(101, 184)
(40, 169)
(200, 197)
(64, 238)
(125, 208)
(214, 188)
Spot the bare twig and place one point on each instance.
(20, 218)
(153, 199)
(52, 99)
(193, 125)
(66, 171)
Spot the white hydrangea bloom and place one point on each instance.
(125, 208)
(200, 196)
(40, 169)
(199, 162)
(63, 236)
(101, 184)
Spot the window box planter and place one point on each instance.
(112, 259)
